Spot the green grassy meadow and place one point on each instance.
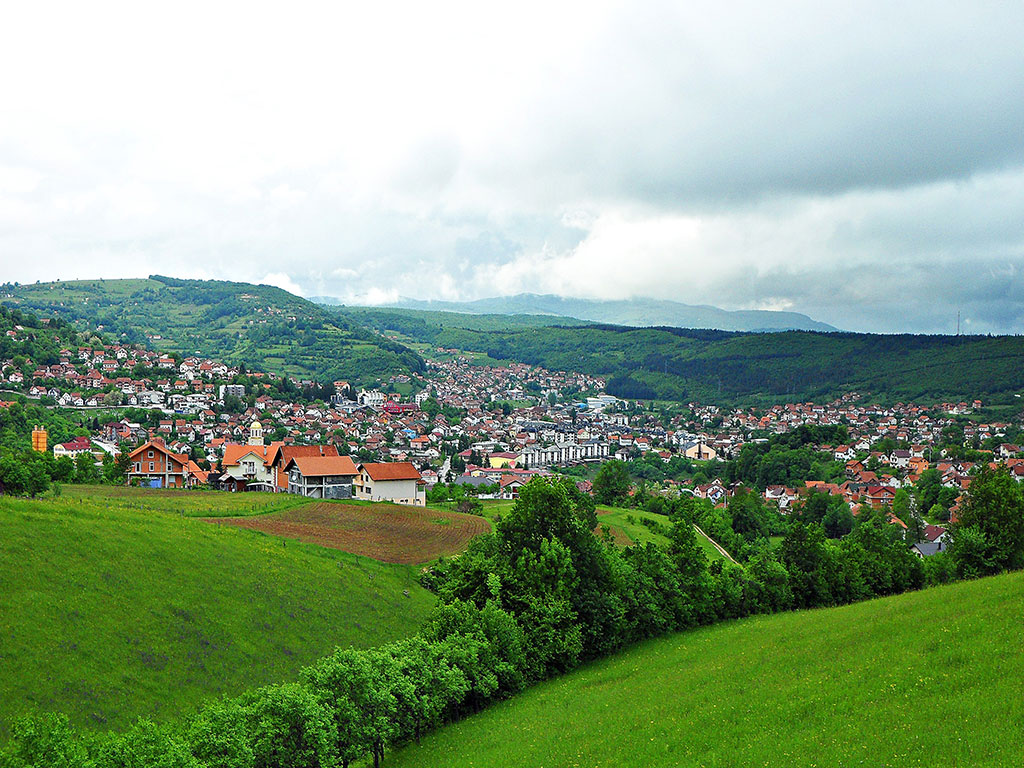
(628, 522)
(930, 678)
(187, 503)
(116, 603)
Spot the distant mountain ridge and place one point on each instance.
(631, 312)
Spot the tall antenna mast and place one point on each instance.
(958, 322)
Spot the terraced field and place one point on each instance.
(390, 533)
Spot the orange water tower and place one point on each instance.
(39, 439)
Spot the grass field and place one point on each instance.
(387, 532)
(188, 503)
(931, 678)
(113, 603)
(627, 529)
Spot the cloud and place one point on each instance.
(863, 163)
(281, 280)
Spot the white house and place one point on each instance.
(398, 481)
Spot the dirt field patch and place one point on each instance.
(386, 532)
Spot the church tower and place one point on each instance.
(256, 434)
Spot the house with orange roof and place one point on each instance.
(399, 482)
(321, 477)
(247, 467)
(281, 455)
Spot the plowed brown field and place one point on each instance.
(387, 532)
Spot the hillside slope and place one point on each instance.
(721, 367)
(112, 605)
(264, 327)
(636, 312)
(931, 678)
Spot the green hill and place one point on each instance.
(722, 367)
(262, 326)
(930, 678)
(116, 603)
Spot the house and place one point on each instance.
(247, 467)
(879, 495)
(154, 465)
(321, 477)
(781, 495)
(698, 451)
(502, 460)
(510, 485)
(713, 491)
(900, 459)
(399, 482)
(285, 453)
(73, 448)
(936, 539)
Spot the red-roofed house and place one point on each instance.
(398, 481)
(280, 457)
(73, 448)
(321, 477)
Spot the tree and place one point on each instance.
(288, 726)
(838, 520)
(219, 738)
(993, 509)
(14, 475)
(749, 518)
(43, 740)
(611, 485)
(146, 745)
(85, 469)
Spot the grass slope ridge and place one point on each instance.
(114, 605)
(636, 312)
(264, 327)
(929, 678)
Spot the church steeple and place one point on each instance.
(256, 434)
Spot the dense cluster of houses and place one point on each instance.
(513, 421)
(316, 471)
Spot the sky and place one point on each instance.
(860, 162)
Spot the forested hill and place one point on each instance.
(262, 326)
(724, 367)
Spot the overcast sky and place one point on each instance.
(862, 163)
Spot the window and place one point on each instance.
(151, 466)
(149, 454)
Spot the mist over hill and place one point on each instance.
(638, 312)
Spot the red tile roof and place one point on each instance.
(319, 466)
(398, 470)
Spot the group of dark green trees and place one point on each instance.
(540, 595)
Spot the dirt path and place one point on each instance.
(716, 545)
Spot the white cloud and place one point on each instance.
(281, 280)
(796, 155)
